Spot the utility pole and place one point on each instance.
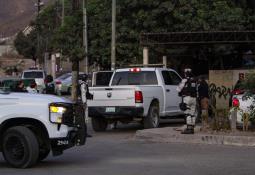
(85, 34)
(63, 13)
(38, 36)
(38, 6)
(62, 24)
(145, 56)
(165, 61)
(75, 63)
(113, 45)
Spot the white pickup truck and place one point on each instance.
(38, 75)
(136, 94)
(32, 125)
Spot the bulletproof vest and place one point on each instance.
(190, 88)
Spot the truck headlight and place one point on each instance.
(56, 114)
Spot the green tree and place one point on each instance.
(137, 16)
(68, 39)
(133, 18)
(99, 32)
(46, 25)
(39, 39)
(26, 45)
(54, 37)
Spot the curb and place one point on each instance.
(169, 135)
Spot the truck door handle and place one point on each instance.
(167, 90)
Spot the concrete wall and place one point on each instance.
(222, 82)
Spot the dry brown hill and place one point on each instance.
(16, 15)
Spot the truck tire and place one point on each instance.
(99, 124)
(20, 147)
(44, 146)
(152, 119)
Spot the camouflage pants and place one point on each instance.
(191, 103)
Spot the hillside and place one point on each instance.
(15, 15)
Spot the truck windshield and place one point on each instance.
(135, 78)
(33, 74)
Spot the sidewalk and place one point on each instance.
(170, 135)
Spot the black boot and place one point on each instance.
(188, 130)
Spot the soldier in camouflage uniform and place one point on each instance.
(188, 90)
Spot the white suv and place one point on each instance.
(38, 75)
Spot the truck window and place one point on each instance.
(135, 78)
(102, 78)
(33, 74)
(171, 78)
(175, 78)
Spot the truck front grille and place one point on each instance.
(73, 115)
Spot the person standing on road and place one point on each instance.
(188, 90)
(203, 93)
(85, 95)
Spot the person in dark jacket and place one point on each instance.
(85, 96)
(203, 94)
(49, 85)
(20, 87)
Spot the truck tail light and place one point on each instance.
(58, 82)
(235, 102)
(138, 97)
(135, 70)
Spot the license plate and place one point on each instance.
(62, 142)
(110, 109)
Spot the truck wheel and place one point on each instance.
(20, 147)
(99, 124)
(152, 119)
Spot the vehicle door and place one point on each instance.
(172, 99)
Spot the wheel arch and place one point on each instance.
(153, 101)
(33, 124)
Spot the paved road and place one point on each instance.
(115, 153)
